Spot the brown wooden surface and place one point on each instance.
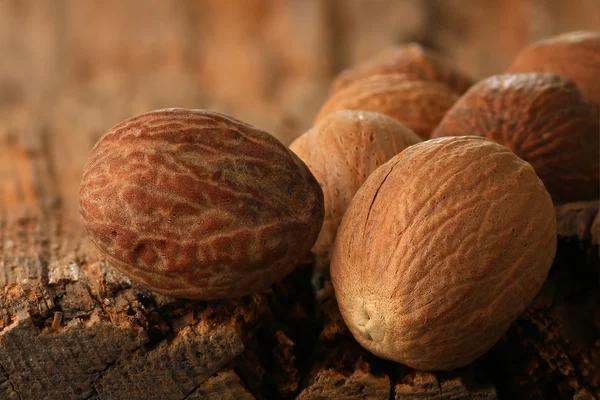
(71, 327)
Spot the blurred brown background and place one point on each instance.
(85, 65)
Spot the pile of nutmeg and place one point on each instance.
(431, 199)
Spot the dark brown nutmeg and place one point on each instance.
(544, 119)
(195, 204)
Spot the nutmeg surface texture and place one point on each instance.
(544, 119)
(418, 104)
(342, 151)
(199, 205)
(412, 59)
(440, 250)
(573, 55)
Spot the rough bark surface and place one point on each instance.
(71, 327)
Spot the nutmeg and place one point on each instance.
(195, 204)
(341, 151)
(418, 104)
(542, 118)
(410, 59)
(574, 55)
(440, 250)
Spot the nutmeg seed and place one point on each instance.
(195, 204)
(418, 104)
(410, 59)
(440, 250)
(542, 118)
(341, 151)
(574, 56)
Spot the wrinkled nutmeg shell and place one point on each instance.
(440, 250)
(410, 59)
(418, 104)
(341, 151)
(544, 119)
(195, 204)
(574, 55)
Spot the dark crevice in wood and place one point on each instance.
(6, 378)
(394, 372)
(264, 349)
(283, 342)
(296, 323)
(154, 317)
(249, 369)
(392, 388)
(93, 395)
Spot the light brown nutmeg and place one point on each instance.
(542, 118)
(195, 204)
(418, 104)
(440, 250)
(411, 59)
(574, 55)
(341, 151)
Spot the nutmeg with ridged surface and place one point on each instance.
(418, 104)
(544, 119)
(342, 151)
(412, 59)
(573, 55)
(195, 204)
(440, 250)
